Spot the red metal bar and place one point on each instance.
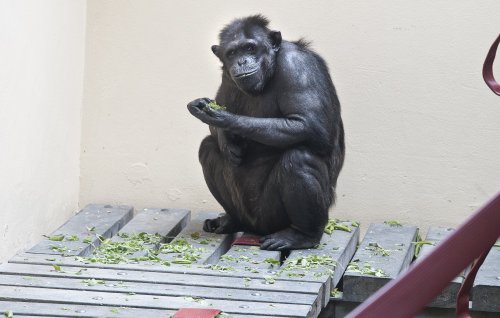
(488, 68)
(414, 289)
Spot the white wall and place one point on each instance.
(423, 131)
(41, 86)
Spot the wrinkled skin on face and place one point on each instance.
(273, 157)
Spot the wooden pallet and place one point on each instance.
(51, 279)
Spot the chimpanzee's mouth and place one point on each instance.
(243, 75)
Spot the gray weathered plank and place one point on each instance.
(157, 277)
(70, 262)
(55, 309)
(397, 241)
(163, 289)
(447, 298)
(486, 290)
(93, 220)
(210, 245)
(24, 309)
(40, 259)
(166, 222)
(10, 293)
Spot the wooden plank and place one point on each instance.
(56, 309)
(209, 246)
(40, 259)
(339, 247)
(24, 309)
(163, 289)
(447, 298)
(257, 283)
(10, 293)
(167, 222)
(93, 220)
(486, 290)
(386, 249)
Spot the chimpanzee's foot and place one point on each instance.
(287, 239)
(221, 225)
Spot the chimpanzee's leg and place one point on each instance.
(305, 190)
(214, 166)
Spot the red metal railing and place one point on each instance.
(470, 243)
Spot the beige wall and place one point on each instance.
(423, 131)
(41, 86)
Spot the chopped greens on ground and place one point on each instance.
(272, 261)
(270, 279)
(366, 269)
(8, 314)
(335, 293)
(418, 246)
(318, 265)
(57, 238)
(376, 249)
(125, 250)
(334, 224)
(72, 238)
(57, 268)
(393, 223)
(93, 282)
(59, 248)
(220, 268)
(187, 254)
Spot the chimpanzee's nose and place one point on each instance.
(242, 61)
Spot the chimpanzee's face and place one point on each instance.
(249, 57)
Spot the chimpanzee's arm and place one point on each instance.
(302, 121)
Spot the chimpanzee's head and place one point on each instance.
(248, 51)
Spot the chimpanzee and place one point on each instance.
(274, 153)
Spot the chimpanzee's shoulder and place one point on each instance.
(298, 63)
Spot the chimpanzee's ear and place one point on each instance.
(216, 49)
(275, 37)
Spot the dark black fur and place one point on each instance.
(273, 158)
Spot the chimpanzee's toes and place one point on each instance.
(288, 239)
(210, 225)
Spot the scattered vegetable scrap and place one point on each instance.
(393, 223)
(335, 293)
(418, 246)
(333, 224)
(57, 238)
(93, 282)
(366, 269)
(376, 249)
(126, 249)
(300, 266)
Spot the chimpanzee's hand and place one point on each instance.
(217, 118)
